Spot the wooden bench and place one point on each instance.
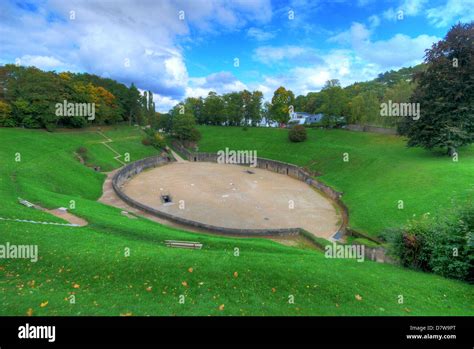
(26, 203)
(183, 244)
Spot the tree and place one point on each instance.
(234, 108)
(184, 127)
(133, 105)
(213, 109)
(281, 102)
(445, 93)
(400, 92)
(255, 108)
(6, 115)
(334, 101)
(195, 105)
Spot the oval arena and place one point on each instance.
(227, 198)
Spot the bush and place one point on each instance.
(154, 139)
(443, 245)
(159, 141)
(82, 152)
(77, 121)
(146, 141)
(195, 135)
(297, 134)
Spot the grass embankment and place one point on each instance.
(90, 262)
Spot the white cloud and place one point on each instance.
(398, 51)
(405, 8)
(374, 21)
(222, 82)
(42, 62)
(442, 16)
(289, 53)
(259, 34)
(337, 64)
(128, 41)
(164, 104)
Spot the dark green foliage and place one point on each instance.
(443, 245)
(184, 127)
(297, 134)
(30, 98)
(83, 153)
(445, 92)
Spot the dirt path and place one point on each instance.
(176, 156)
(69, 217)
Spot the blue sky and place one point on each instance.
(187, 48)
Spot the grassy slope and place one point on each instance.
(380, 171)
(111, 284)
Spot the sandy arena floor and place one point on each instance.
(229, 196)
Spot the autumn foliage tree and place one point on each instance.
(29, 97)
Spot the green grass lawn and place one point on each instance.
(90, 262)
(381, 170)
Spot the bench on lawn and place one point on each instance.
(25, 203)
(183, 244)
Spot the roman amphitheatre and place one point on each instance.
(229, 199)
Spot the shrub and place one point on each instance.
(443, 245)
(159, 141)
(146, 141)
(195, 135)
(297, 134)
(77, 121)
(154, 139)
(82, 152)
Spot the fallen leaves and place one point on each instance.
(190, 270)
(358, 297)
(236, 275)
(29, 312)
(44, 304)
(76, 286)
(184, 283)
(221, 307)
(149, 288)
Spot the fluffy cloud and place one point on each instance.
(406, 8)
(288, 54)
(130, 41)
(42, 62)
(398, 51)
(443, 16)
(259, 34)
(337, 64)
(222, 82)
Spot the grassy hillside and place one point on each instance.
(89, 262)
(381, 170)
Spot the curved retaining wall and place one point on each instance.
(127, 172)
(131, 170)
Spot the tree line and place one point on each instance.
(29, 97)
